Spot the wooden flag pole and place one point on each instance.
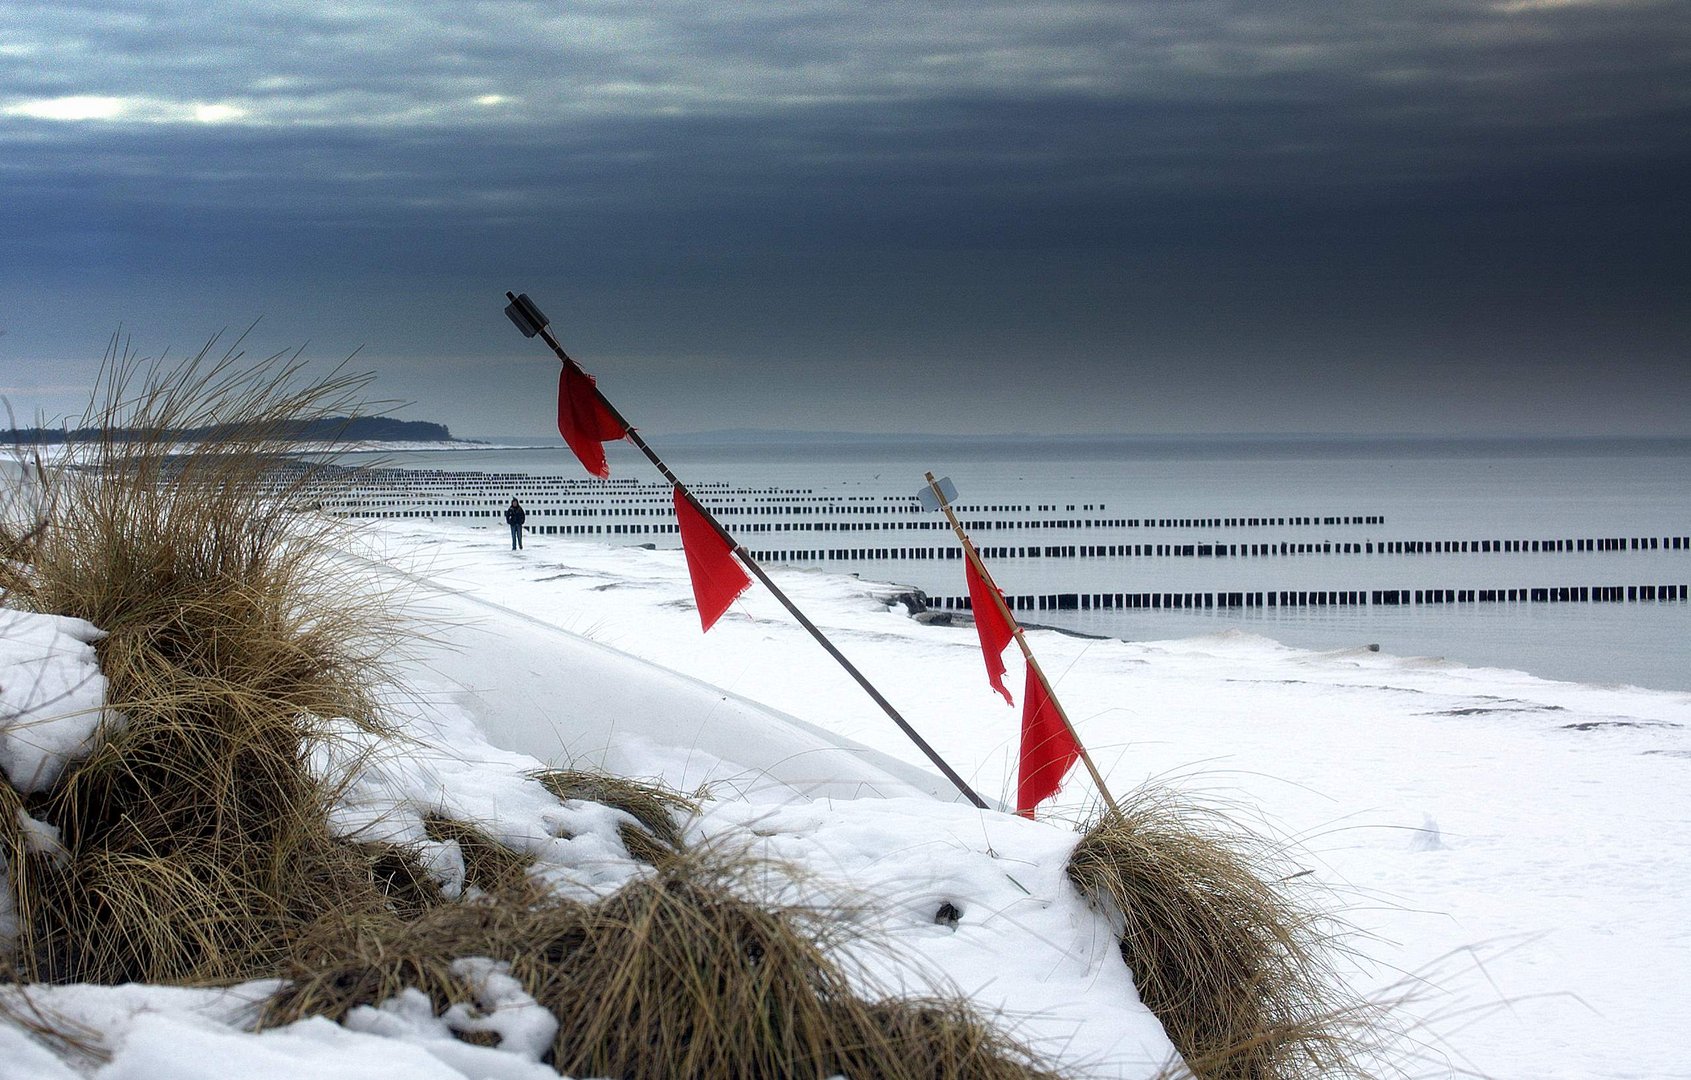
(974, 558)
(544, 331)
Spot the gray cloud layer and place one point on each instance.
(1226, 206)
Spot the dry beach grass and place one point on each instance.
(195, 843)
(1235, 963)
(676, 974)
(653, 837)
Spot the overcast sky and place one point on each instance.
(1144, 217)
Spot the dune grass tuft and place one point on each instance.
(195, 837)
(657, 836)
(408, 886)
(1238, 969)
(676, 974)
(488, 865)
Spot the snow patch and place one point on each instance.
(52, 696)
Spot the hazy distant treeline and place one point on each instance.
(324, 429)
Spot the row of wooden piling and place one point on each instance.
(1205, 551)
(1289, 598)
(1108, 551)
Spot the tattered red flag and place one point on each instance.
(990, 624)
(1048, 747)
(717, 577)
(584, 421)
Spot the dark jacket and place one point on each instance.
(514, 514)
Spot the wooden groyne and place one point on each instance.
(801, 526)
(402, 493)
(628, 509)
(1224, 551)
(1563, 594)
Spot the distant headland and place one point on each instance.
(335, 429)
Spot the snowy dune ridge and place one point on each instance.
(1515, 846)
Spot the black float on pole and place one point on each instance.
(529, 319)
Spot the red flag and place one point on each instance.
(1048, 748)
(717, 577)
(583, 420)
(991, 625)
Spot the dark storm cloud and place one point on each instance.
(1199, 196)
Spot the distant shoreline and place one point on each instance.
(1224, 445)
(329, 429)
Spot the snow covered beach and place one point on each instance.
(1514, 848)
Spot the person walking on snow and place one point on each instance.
(514, 517)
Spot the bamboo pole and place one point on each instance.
(975, 560)
(757, 571)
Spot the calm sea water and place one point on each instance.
(1426, 490)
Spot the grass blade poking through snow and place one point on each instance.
(656, 837)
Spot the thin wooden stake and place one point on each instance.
(757, 571)
(974, 558)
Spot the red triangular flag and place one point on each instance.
(991, 625)
(1048, 749)
(717, 578)
(584, 421)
